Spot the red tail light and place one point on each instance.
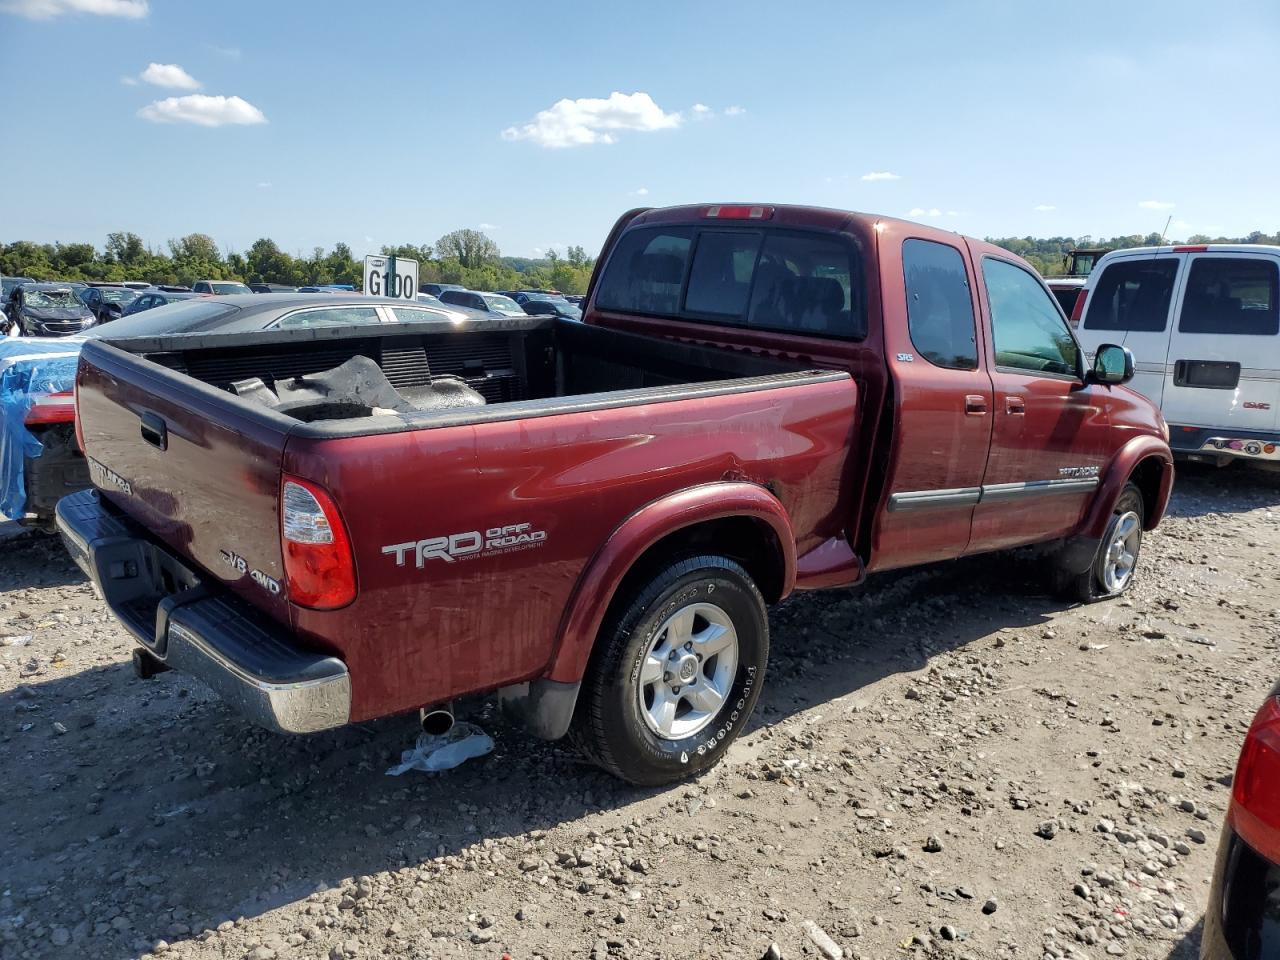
(1077, 312)
(52, 408)
(739, 213)
(318, 564)
(1255, 794)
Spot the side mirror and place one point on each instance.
(1112, 365)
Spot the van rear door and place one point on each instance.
(1130, 303)
(1223, 368)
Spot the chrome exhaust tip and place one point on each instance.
(437, 720)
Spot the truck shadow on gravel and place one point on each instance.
(1188, 948)
(1201, 489)
(160, 814)
(35, 559)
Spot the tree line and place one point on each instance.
(468, 257)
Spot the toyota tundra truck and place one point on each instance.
(330, 525)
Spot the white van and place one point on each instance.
(1203, 323)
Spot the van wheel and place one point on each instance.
(1113, 567)
(676, 672)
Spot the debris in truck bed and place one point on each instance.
(356, 388)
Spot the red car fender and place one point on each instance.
(1122, 466)
(640, 531)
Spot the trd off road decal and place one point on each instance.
(463, 546)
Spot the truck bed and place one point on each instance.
(580, 428)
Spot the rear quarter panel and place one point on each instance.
(418, 635)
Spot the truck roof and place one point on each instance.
(776, 214)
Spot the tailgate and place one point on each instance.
(197, 469)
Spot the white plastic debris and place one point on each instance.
(22, 641)
(444, 752)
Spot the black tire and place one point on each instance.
(608, 725)
(1091, 585)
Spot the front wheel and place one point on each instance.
(676, 672)
(1113, 567)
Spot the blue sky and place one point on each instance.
(384, 122)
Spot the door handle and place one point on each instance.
(154, 431)
(975, 405)
(1015, 406)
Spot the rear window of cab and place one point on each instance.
(781, 281)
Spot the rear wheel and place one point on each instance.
(1113, 567)
(676, 673)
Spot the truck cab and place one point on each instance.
(981, 427)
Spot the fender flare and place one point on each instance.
(1118, 473)
(599, 582)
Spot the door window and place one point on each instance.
(939, 304)
(1232, 297)
(1133, 295)
(329, 317)
(1027, 329)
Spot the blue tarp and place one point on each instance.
(29, 367)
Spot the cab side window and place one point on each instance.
(1027, 328)
(1231, 296)
(1133, 295)
(939, 304)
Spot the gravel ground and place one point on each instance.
(944, 763)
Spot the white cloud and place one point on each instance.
(734, 111)
(880, 175)
(169, 75)
(641, 192)
(574, 123)
(202, 110)
(1181, 225)
(1156, 205)
(1043, 207)
(48, 9)
(953, 213)
(701, 109)
(129, 81)
(264, 185)
(489, 226)
(931, 212)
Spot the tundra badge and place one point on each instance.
(107, 477)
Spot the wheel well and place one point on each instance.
(1147, 476)
(750, 543)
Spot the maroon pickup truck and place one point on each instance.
(332, 525)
